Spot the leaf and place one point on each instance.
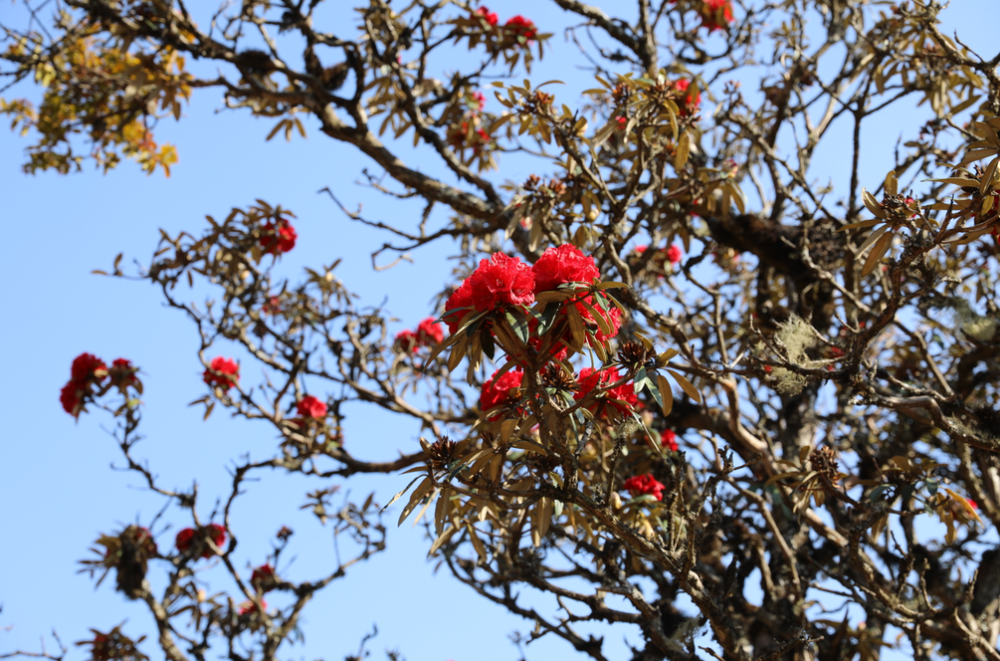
(872, 238)
(667, 394)
(890, 184)
(986, 181)
(442, 538)
(686, 386)
(415, 498)
(683, 151)
(477, 543)
(397, 496)
(519, 324)
(579, 334)
(872, 204)
(881, 246)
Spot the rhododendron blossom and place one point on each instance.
(521, 27)
(223, 373)
(406, 341)
(311, 407)
(612, 403)
(689, 102)
(459, 304)
(71, 397)
(668, 439)
(501, 281)
(263, 578)
(644, 485)
(674, 254)
(429, 332)
(280, 239)
(85, 371)
(187, 537)
(122, 373)
(88, 366)
(498, 391)
(487, 15)
(716, 14)
(563, 264)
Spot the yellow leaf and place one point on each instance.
(686, 386)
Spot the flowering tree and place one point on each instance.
(669, 365)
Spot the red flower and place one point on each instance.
(498, 391)
(641, 249)
(71, 398)
(690, 103)
(674, 254)
(248, 607)
(458, 137)
(612, 403)
(429, 332)
(488, 16)
(406, 341)
(263, 578)
(278, 240)
(563, 264)
(716, 14)
(311, 407)
(972, 503)
(669, 440)
(122, 373)
(188, 537)
(622, 121)
(87, 366)
(521, 27)
(459, 304)
(644, 485)
(501, 281)
(224, 373)
(479, 97)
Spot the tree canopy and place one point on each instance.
(672, 365)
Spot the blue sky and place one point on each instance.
(56, 486)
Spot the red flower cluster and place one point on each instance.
(564, 264)
(668, 439)
(122, 374)
(504, 281)
(429, 333)
(278, 240)
(499, 281)
(490, 17)
(263, 578)
(663, 256)
(689, 102)
(644, 485)
(612, 403)
(311, 407)
(222, 373)
(87, 372)
(498, 391)
(460, 138)
(479, 98)
(191, 539)
(521, 27)
(716, 14)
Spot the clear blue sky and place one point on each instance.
(56, 488)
